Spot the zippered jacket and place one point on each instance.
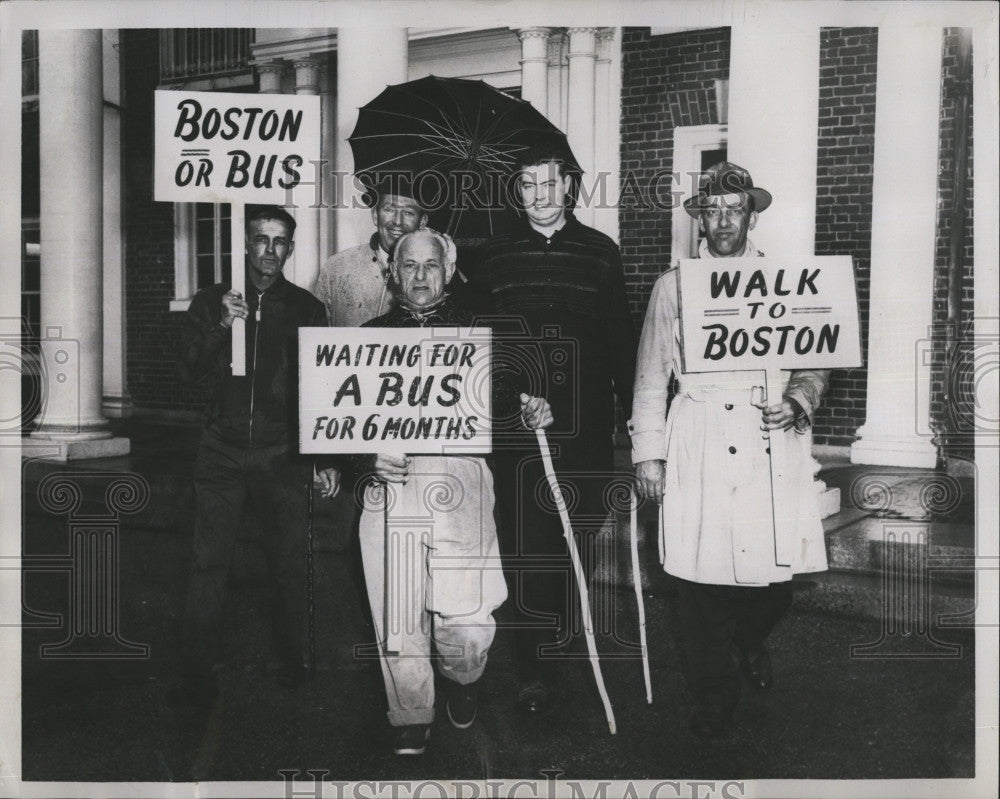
(260, 409)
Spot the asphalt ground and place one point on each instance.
(906, 710)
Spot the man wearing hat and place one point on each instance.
(708, 463)
(354, 283)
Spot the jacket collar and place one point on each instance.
(528, 234)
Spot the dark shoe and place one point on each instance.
(193, 691)
(463, 702)
(534, 697)
(411, 739)
(755, 663)
(710, 721)
(291, 675)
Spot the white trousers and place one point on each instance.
(444, 578)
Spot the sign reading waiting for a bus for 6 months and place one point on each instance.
(741, 314)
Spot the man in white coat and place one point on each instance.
(707, 462)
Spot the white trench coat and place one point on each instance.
(716, 514)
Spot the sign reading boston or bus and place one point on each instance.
(741, 314)
(233, 147)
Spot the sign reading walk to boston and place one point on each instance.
(394, 390)
(217, 147)
(741, 314)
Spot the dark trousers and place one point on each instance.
(272, 484)
(543, 610)
(715, 617)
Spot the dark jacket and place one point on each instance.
(259, 409)
(568, 294)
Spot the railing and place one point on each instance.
(188, 53)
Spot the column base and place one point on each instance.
(908, 452)
(74, 448)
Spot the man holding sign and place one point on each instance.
(438, 526)
(708, 462)
(246, 453)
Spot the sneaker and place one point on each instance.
(463, 702)
(411, 739)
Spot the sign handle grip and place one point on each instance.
(237, 254)
(782, 500)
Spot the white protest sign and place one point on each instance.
(228, 147)
(395, 390)
(739, 314)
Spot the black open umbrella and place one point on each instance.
(452, 145)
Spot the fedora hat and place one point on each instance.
(722, 178)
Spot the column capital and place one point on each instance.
(307, 70)
(582, 42)
(270, 74)
(555, 47)
(605, 36)
(533, 33)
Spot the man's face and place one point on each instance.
(726, 221)
(395, 215)
(268, 245)
(420, 271)
(543, 193)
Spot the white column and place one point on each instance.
(305, 260)
(72, 157)
(558, 79)
(361, 76)
(535, 66)
(328, 133)
(116, 400)
(907, 101)
(607, 117)
(580, 123)
(773, 113)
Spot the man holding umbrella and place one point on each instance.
(557, 280)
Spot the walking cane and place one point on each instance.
(581, 582)
(310, 598)
(637, 584)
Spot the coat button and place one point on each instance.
(767, 450)
(732, 450)
(729, 407)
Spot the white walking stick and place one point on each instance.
(637, 583)
(581, 582)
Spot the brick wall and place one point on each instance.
(844, 200)
(952, 391)
(151, 328)
(667, 81)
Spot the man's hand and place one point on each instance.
(233, 307)
(536, 412)
(329, 482)
(781, 416)
(392, 468)
(651, 476)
